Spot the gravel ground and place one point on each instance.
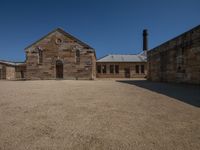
(98, 115)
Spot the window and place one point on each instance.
(99, 69)
(58, 41)
(142, 68)
(104, 68)
(164, 60)
(22, 75)
(40, 53)
(77, 53)
(0, 74)
(117, 69)
(26, 56)
(77, 56)
(137, 68)
(180, 60)
(111, 68)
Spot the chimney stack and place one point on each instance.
(145, 40)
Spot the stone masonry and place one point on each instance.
(60, 55)
(177, 60)
(12, 71)
(125, 70)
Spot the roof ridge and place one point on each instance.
(122, 58)
(122, 54)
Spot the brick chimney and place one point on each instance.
(145, 40)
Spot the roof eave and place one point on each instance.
(122, 61)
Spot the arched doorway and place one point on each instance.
(59, 69)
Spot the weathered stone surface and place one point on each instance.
(12, 72)
(122, 66)
(63, 51)
(2, 71)
(177, 60)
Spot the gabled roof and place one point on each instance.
(123, 58)
(11, 63)
(66, 34)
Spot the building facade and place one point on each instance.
(122, 66)
(177, 60)
(12, 70)
(58, 55)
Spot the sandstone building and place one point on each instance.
(124, 66)
(177, 60)
(58, 55)
(12, 70)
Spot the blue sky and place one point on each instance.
(109, 26)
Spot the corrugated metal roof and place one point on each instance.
(123, 58)
(11, 63)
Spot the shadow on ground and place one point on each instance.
(189, 94)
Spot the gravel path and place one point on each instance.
(96, 115)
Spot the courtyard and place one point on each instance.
(98, 115)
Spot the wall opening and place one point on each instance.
(59, 69)
(22, 74)
(0, 74)
(127, 73)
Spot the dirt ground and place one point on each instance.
(98, 115)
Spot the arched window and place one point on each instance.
(40, 55)
(77, 56)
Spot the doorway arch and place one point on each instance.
(59, 69)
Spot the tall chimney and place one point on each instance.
(145, 40)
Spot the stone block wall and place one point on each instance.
(59, 47)
(177, 60)
(2, 72)
(122, 67)
(20, 72)
(10, 73)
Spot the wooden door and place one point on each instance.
(127, 73)
(59, 69)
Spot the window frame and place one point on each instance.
(111, 69)
(142, 70)
(104, 69)
(40, 56)
(116, 69)
(78, 54)
(137, 69)
(99, 69)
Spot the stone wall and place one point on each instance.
(59, 47)
(122, 67)
(20, 72)
(2, 71)
(12, 72)
(177, 60)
